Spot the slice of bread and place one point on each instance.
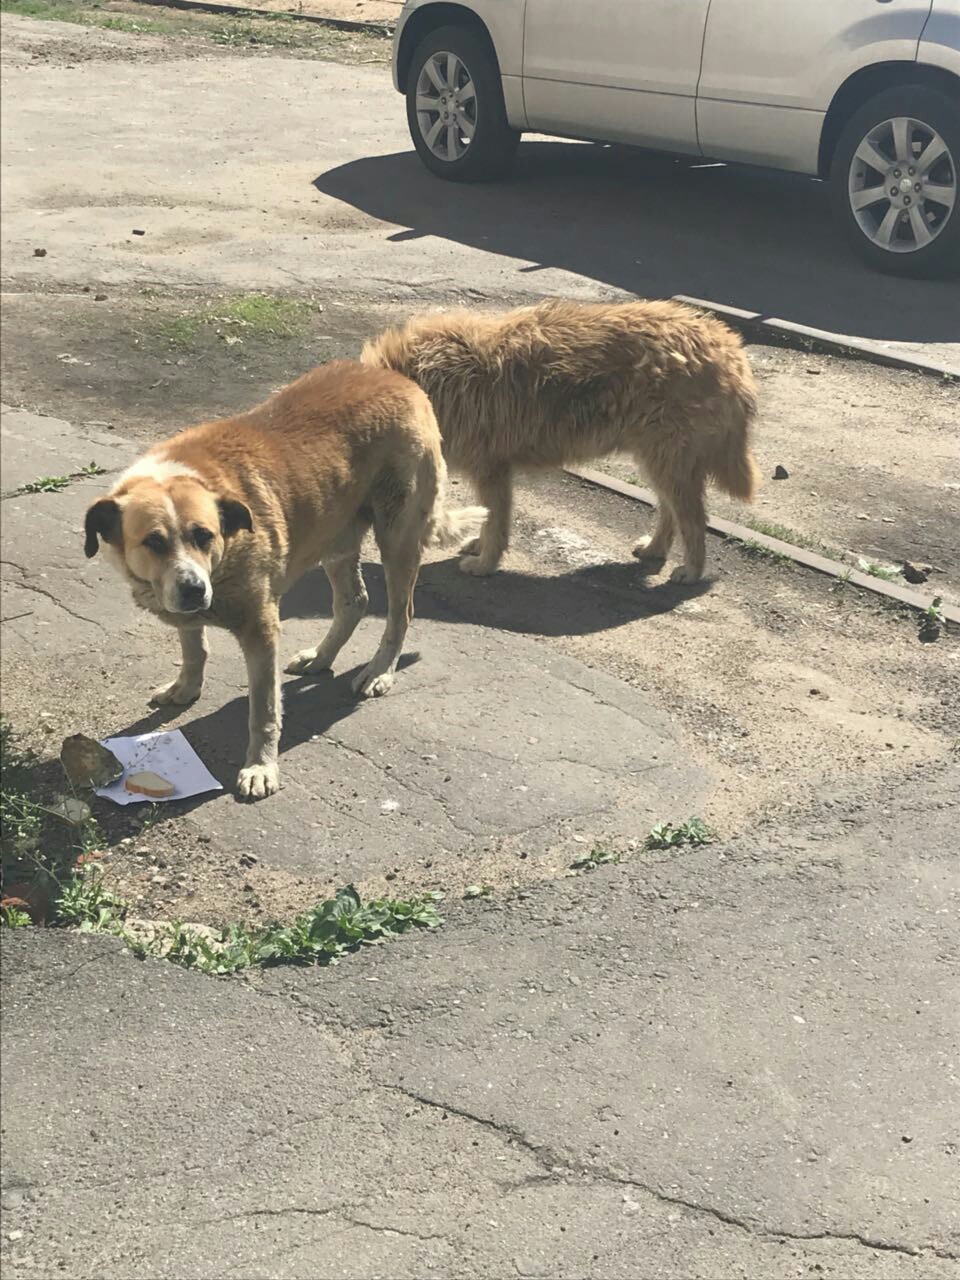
(149, 784)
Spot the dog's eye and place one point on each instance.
(155, 542)
(202, 538)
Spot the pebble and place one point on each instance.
(780, 473)
(138, 232)
(39, 253)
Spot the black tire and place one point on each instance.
(490, 152)
(940, 258)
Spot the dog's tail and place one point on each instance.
(737, 473)
(449, 528)
(733, 466)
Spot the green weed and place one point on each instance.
(478, 891)
(667, 835)
(54, 484)
(888, 572)
(759, 552)
(598, 856)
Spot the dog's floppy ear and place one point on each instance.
(103, 521)
(234, 516)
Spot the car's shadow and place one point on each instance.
(656, 225)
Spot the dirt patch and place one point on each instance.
(782, 684)
(124, 31)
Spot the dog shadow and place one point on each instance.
(581, 601)
(578, 602)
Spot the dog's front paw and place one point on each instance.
(179, 693)
(479, 566)
(471, 548)
(686, 573)
(369, 684)
(257, 781)
(307, 662)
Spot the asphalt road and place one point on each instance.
(287, 174)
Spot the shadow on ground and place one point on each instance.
(658, 225)
(596, 598)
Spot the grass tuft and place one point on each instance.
(667, 835)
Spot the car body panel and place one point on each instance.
(940, 40)
(771, 69)
(613, 71)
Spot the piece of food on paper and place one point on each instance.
(149, 784)
(87, 764)
(170, 761)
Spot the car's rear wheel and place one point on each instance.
(894, 182)
(455, 107)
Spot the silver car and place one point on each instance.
(862, 93)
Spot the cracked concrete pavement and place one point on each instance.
(735, 1061)
(614, 1078)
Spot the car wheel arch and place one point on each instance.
(430, 17)
(864, 84)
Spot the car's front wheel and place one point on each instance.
(895, 185)
(455, 107)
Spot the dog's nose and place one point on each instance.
(192, 594)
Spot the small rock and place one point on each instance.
(14, 1235)
(862, 515)
(138, 232)
(812, 370)
(248, 859)
(99, 297)
(916, 573)
(780, 473)
(907, 1137)
(390, 806)
(39, 253)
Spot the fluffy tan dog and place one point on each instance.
(211, 527)
(562, 383)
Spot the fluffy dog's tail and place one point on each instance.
(452, 528)
(737, 473)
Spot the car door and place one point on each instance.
(614, 70)
(771, 68)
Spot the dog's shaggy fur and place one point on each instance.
(563, 383)
(211, 527)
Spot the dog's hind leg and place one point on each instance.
(349, 606)
(687, 501)
(653, 550)
(495, 491)
(401, 563)
(401, 529)
(681, 509)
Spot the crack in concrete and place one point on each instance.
(556, 1164)
(26, 585)
(347, 1213)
